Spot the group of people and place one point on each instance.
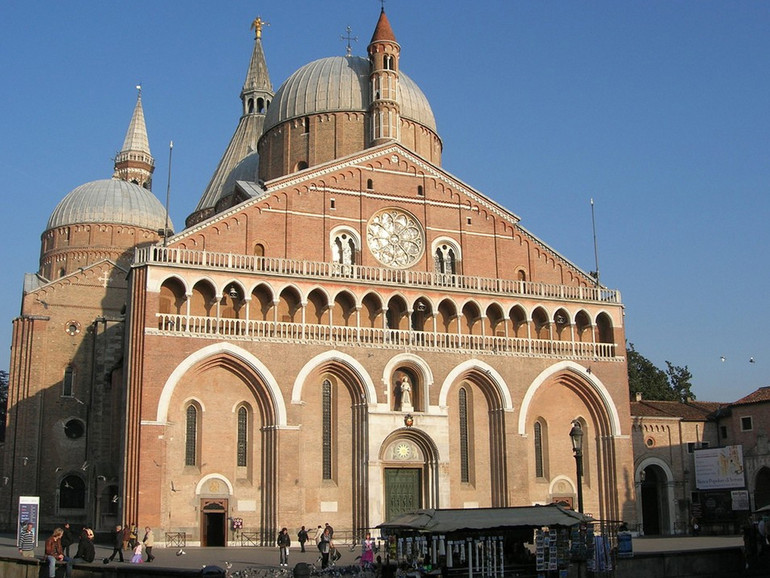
(57, 546)
(324, 540)
(127, 538)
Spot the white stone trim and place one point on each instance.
(345, 359)
(215, 349)
(596, 384)
(490, 371)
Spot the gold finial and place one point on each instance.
(257, 25)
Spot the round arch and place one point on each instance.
(215, 476)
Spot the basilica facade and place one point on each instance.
(343, 331)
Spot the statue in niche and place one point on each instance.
(405, 391)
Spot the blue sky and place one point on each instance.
(656, 110)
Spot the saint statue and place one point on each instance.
(406, 391)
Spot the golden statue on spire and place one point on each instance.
(257, 25)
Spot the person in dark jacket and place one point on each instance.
(284, 542)
(117, 545)
(85, 553)
(67, 539)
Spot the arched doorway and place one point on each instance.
(409, 473)
(654, 494)
(762, 488)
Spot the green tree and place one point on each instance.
(680, 380)
(654, 383)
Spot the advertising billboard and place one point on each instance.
(719, 468)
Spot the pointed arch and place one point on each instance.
(479, 366)
(329, 357)
(228, 350)
(594, 383)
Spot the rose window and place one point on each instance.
(395, 238)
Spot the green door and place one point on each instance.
(402, 491)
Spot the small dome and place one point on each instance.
(339, 83)
(246, 170)
(110, 201)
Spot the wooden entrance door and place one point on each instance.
(214, 522)
(403, 491)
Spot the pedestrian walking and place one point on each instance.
(302, 537)
(117, 545)
(149, 542)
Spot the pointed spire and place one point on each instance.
(256, 95)
(383, 31)
(134, 163)
(257, 88)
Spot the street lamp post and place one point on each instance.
(576, 435)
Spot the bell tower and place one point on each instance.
(384, 111)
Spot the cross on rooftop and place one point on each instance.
(349, 38)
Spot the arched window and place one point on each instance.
(68, 381)
(344, 249)
(465, 470)
(191, 436)
(369, 184)
(326, 442)
(243, 437)
(72, 493)
(539, 461)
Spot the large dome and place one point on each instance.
(339, 83)
(110, 201)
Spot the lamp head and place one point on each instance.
(576, 435)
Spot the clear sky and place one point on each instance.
(658, 110)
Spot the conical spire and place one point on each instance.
(134, 163)
(383, 31)
(257, 82)
(256, 95)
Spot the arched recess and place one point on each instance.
(335, 391)
(262, 303)
(491, 401)
(655, 501)
(409, 451)
(228, 368)
(578, 395)
(420, 374)
(762, 488)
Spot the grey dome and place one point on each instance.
(110, 201)
(339, 83)
(246, 170)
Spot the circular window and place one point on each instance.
(650, 442)
(395, 238)
(74, 429)
(72, 327)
